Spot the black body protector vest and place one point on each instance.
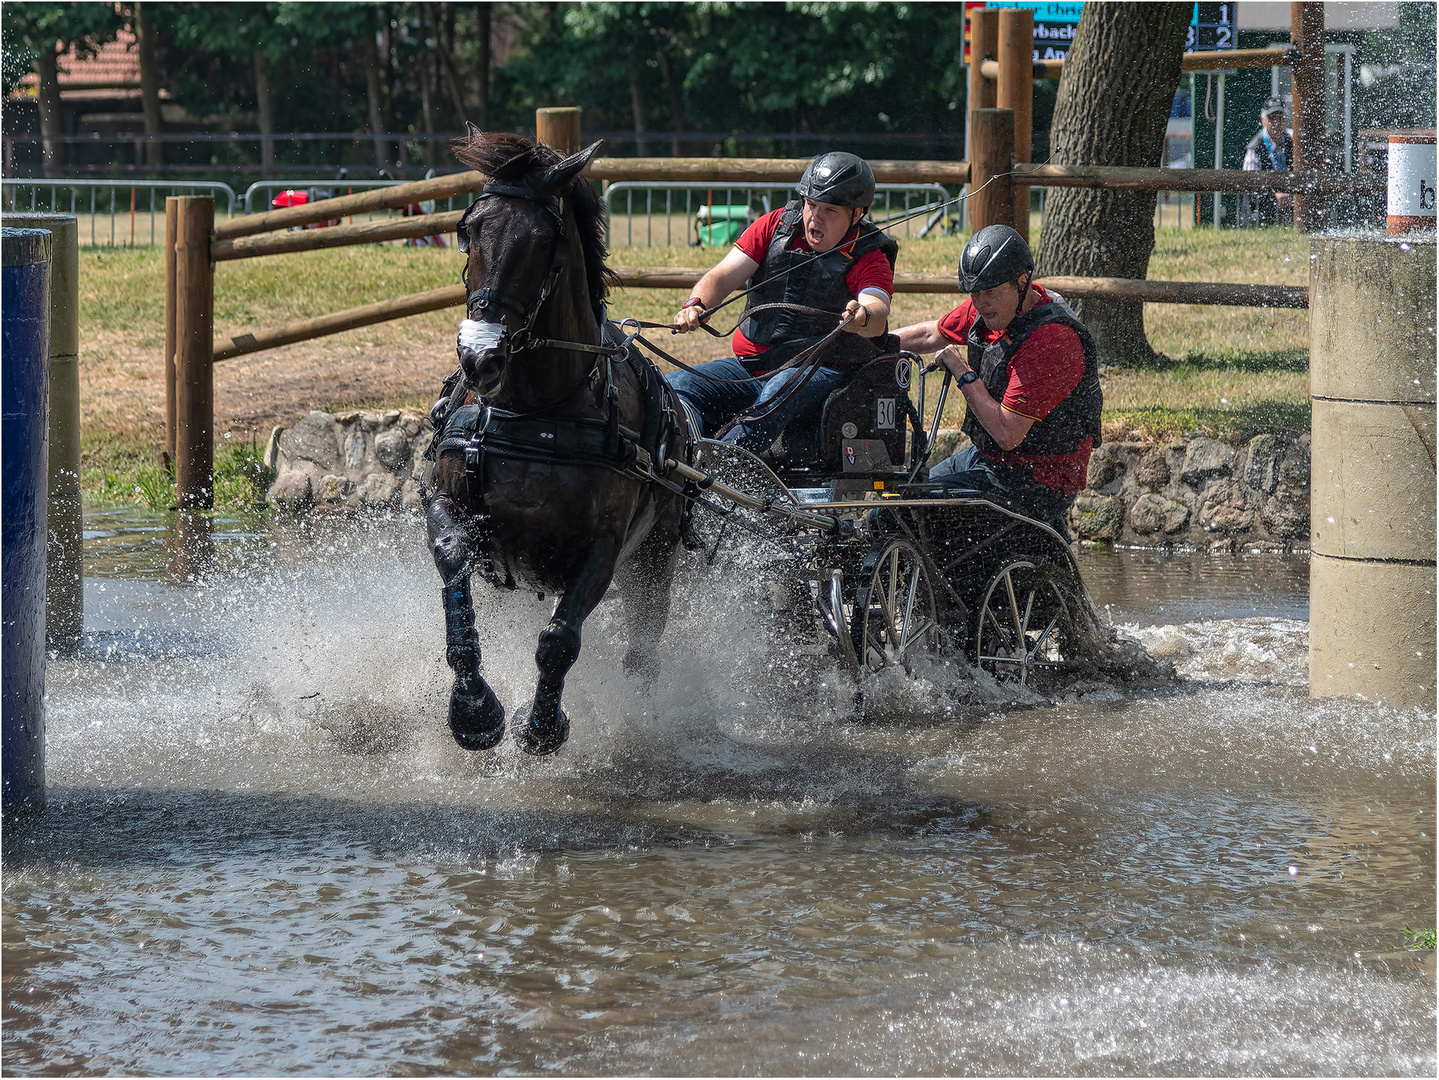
(794, 276)
(1069, 423)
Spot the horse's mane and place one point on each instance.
(513, 158)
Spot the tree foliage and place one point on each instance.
(33, 30)
(667, 72)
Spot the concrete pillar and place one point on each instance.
(1372, 517)
(65, 563)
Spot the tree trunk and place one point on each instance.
(149, 84)
(637, 105)
(1112, 108)
(482, 62)
(265, 107)
(52, 120)
(444, 40)
(377, 109)
(677, 103)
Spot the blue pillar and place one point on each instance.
(24, 399)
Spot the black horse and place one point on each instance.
(550, 479)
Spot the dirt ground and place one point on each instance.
(394, 365)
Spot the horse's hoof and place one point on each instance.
(540, 739)
(477, 719)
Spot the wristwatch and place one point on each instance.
(967, 378)
(693, 301)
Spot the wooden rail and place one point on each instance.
(363, 202)
(369, 232)
(1132, 178)
(1151, 292)
(1110, 177)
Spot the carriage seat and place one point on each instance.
(871, 404)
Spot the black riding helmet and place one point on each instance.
(994, 255)
(839, 179)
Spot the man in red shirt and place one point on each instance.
(820, 252)
(1028, 371)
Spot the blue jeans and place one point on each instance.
(719, 402)
(969, 469)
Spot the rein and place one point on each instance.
(794, 361)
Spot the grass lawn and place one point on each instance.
(1230, 370)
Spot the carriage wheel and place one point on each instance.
(1024, 624)
(894, 613)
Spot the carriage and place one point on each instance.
(885, 567)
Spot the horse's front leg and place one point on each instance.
(477, 719)
(543, 727)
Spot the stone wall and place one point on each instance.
(1198, 493)
(1204, 492)
(350, 460)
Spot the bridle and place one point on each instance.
(479, 301)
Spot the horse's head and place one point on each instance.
(514, 237)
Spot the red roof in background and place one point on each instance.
(115, 67)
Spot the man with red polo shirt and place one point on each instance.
(1028, 371)
(820, 252)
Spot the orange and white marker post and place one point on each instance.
(1412, 182)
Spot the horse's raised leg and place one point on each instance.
(542, 727)
(477, 719)
(644, 584)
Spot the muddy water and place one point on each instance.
(263, 854)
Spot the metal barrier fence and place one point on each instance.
(713, 215)
(109, 212)
(1171, 208)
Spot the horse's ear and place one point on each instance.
(561, 173)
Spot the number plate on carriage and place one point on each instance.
(884, 413)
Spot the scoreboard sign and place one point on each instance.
(1211, 26)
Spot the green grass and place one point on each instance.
(122, 471)
(1228, 371)
(1418, 940)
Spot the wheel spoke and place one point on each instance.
(898, 609)
(904, 630)
(1039, 641)
(1013, 604)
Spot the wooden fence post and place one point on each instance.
(171, 212)
(559, 128)
(1015, 52)
(983, 33)
(1306, 32)
(991, 199)
(194, 357)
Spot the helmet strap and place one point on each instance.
(1023, 293)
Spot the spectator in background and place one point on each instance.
(1272, 148)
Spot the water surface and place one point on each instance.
(264, 854)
